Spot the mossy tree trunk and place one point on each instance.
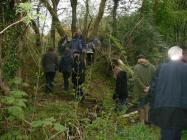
(114, 16)
(58, 24)
(97, 21)
(74, 16)
(85, 29)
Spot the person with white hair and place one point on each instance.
(169, 96)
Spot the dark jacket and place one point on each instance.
(78, 73)
(62, 47)
(169, 96)
(121, 90)
(50, 62)
(66, 63)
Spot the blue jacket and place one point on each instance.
(77, 44)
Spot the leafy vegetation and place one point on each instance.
(26, 114)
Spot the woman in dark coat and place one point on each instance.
(121, 89)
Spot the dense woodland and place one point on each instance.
(125, 29)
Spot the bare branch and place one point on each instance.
(15, 23)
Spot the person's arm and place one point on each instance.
(71, 60)
(125, 84)
(83, 64)
(153, 85)
(60, 66)
(83, 43)
(154, 81)
(117, 88)
(56, 61)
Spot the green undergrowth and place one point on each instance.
(59, 116)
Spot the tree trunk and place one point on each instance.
(53, 33)
(37, 34)
(3, 86)
(74, 16)
(98, 19)
(155, 6)
(58, 25)
(35, 26)
(53, 24)
(114, 16)
(85, 29)
(143, 8)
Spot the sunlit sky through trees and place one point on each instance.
(64, 11)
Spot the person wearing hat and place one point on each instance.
(143, 73)
(169, 96)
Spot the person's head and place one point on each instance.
(175, 53)
(117, 66)
(140, 56)
(119, 62)
(116, 70)
(50, 49)
(141, 59)
(79, 32)
(75, 35)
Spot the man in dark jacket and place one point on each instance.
(169, 98)
(121, 89)
(65, 66)
(50, 65)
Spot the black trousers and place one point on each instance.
(171, 133)
(90, 58)
(49, 76)
(66, 76)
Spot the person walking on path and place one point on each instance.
(143, 73)
(121, 88)
(50, 66)
(77, 44)
(65, 66)
(169, 96)
(78, 74)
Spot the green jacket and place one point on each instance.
(143, 73)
